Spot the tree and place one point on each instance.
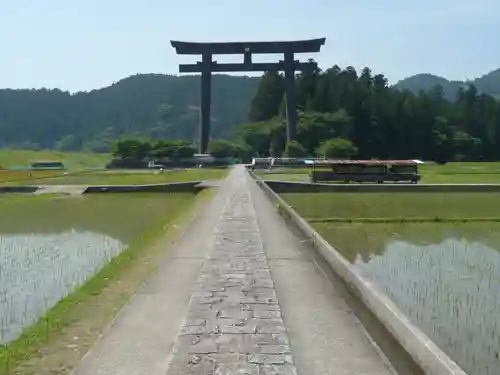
(306, 87)
(243, 152)
(278, 138)
(315, 127)
(382, 122)
(266, 103)
(140, 149)
(126, 148)
(466, 147)
(220, 148)
(294, 149)
(97, 145)
(257, 136)
(183, 150)
(337, 148)
(173, 149)
(154, 105)
(68, 143)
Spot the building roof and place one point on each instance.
(230, 48)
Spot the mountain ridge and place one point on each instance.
(488, 83)
(155, 105)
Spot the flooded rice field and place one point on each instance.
(50, 245)
(445, 277)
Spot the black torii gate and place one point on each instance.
(289, 65)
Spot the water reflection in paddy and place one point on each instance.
(51, 245)
(40, 269)
(446, 278)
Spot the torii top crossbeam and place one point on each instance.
(231, 48)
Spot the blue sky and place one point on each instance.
(87, 44)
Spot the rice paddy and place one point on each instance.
(437, 255)
(395, 206)
(66, 265)
(69, 262)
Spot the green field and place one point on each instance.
(451, 173)
(88, 169)
(71, 160)
(436, 255)
(394, 206)
(125, 177)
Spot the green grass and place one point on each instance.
(398, 206)
(118, 177)
(22, 176)
(461, 173)
(71, 160)
(58, 340)
(119, 216)
(285, 174)
(451, 173)
(370, 239)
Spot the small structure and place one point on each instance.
(287, 162)
(377, 171)
(51, 165)
(262, 163)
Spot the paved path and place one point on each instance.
(238, 295)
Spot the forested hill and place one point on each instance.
(152, 105)
(487, 84)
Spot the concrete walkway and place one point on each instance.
(238, 295)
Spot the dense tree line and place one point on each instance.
(138, 149)
(342, 113)
(346, 113)
(152, 105)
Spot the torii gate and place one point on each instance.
(289, 65)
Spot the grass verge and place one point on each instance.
(56, 343)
